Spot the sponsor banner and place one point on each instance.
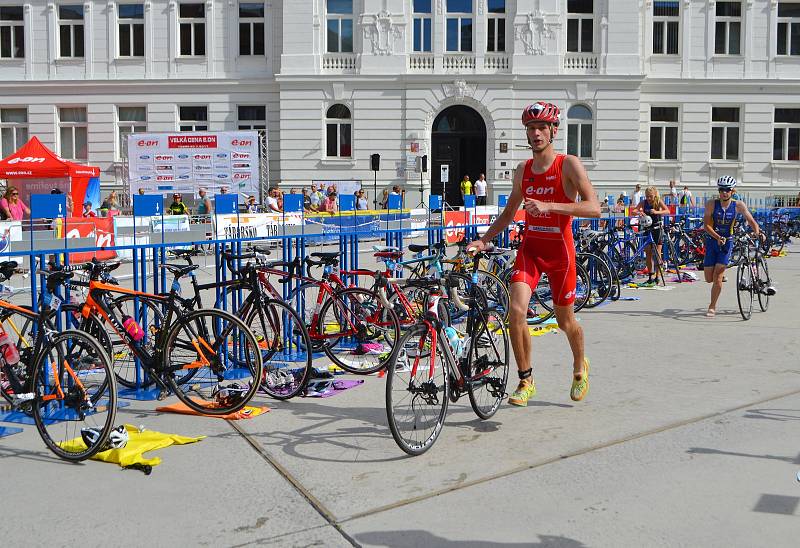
(10, 231)
(454, 222)
(162, 163)
(258, 225)
(169, 223)
(99, 228)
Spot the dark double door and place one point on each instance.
(459, 142)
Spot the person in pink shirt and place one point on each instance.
(330, 204)
(11, 207)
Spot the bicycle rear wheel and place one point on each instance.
(601, 278)
(226, 358)
(283, 340)
(744, 289)
(150, 319)
(74, 389)
(487, 364)
(416, 396)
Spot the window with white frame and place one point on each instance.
(496, 25)
(459, 25)
(129, 120)
(422, 26)
(666, 27)
(580, 26)
(193, 118)
(339, 19)
(12, 32)
(724, 133)
(788, 28)
(192, 26)
(13, 129)
(663, 133)
(131, 30)
(579, 131)
(728, 28)
(338, 132)
(70, 30)
(252, 117)
(72, 129)
(786, 137)
(251, 28)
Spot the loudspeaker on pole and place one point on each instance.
(375, 162)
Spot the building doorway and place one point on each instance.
(458, 143)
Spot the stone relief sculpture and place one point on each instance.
(459, 89)
(533, 33)
(382, 33)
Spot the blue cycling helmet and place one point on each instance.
(726, 182)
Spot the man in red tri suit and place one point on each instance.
(549, 184)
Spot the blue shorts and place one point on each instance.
(716, 254)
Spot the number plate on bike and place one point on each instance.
(55, 303)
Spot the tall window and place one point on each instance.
(340, 26)
(13, 129)
(786, 143)
(459, 25)
(252, 117)
(130, 120)
(192, 24)
(663, 133)
(193, 118)
(422, 25)
(70, 31)
(496, 25)
(666, 25)
(725, 133)
(788, 28)
(251, 29)
(579, 131)
(728, 30)
(131, 30)
(338, 132)
(72, 130)
(580, 25)
(12, 32)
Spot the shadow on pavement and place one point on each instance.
(416, 538)
(709, 451)
(698, 314)
(773, 414)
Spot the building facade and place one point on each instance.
(649, 91)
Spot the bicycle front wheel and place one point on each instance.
(417, 389)
(744, 289)
(226, 358)
(763, 282)
(487, 364)
(74, 390)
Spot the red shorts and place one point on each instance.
(556, 258)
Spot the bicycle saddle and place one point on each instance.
(389, 254)
(327, 256)
(180, 270)
(417, 248)
(384, 248)
(7, 269)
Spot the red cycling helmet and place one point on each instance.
(540, 112)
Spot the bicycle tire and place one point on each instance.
(360, 309)
(286, 374)
(744, 289)
(488, 373)
(416, 418)
(61, 414)
(304, 299)
(676, 264)
(583, 287)
(763, 282)
(217, 399)
(600, 276)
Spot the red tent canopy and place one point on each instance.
(34, 159)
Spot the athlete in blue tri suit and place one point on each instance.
(719, 221)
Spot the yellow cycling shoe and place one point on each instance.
(524, 392)
(580, 383)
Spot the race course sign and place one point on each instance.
(162, 163)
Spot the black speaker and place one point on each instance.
(375, 162)
(425, 163)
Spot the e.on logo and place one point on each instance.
(241, 176)
(26, 160)
(540, 191)
(241, 142)
(147, 143)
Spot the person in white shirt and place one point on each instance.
(686, 198)
(316, 198)
(480, 190)
(638, 195)
(673, 193)
(272, 201)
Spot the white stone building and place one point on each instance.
(650, 90)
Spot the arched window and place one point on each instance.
(580, 131)
(338, 131)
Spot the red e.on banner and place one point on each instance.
(454, 222)
(101, 228)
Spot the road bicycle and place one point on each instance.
(474, 362)
(752, 278)
(63, 378)
(208, 358)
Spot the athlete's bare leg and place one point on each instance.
(565, 315)
(716, 277)
(518, 325)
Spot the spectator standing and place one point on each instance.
(465, 187)
(306, 200)
(361, 201)
(686, 198)
(638, 196)
(252, 207)
(11, 207)
(87, 210)
(480, 190)
(330, 205)
(384, 203)
(177, 207)
(109, 204)
(272, 201)
(203, 203)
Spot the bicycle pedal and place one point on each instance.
(162, 395)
